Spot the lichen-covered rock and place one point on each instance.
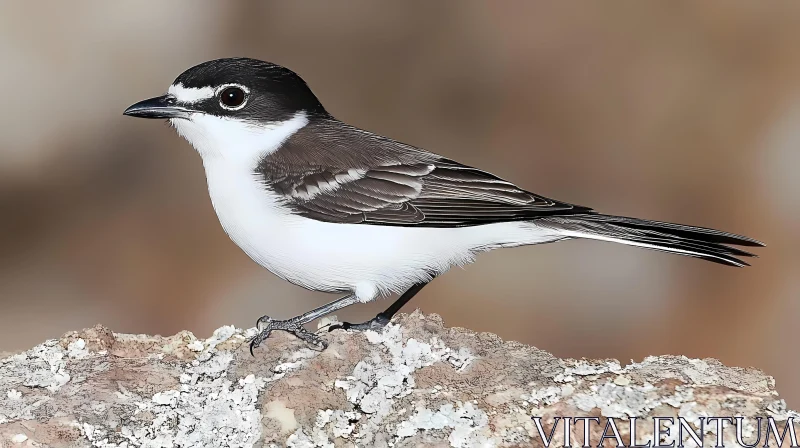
(416, 383)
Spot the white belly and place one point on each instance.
(370, 260)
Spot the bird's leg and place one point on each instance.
(266, 324)
(383, 318)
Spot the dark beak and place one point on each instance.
(158, 107)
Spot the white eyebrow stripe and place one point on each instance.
(190, 95)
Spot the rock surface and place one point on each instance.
(416, 383)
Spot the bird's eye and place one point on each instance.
(232, 97)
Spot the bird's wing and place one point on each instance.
(431, 193)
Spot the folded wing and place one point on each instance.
(440, 193)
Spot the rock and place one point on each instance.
(415, 383)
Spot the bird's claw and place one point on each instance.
(265, 325)
(376, 324)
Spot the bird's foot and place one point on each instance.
(266, 325)
(376, 324)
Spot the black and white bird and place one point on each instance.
(334, 208)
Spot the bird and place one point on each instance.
(334, 208)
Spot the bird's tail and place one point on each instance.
(699, 242)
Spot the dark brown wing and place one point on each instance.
(440, 193)
(333, 172)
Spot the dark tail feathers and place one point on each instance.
(699, 242)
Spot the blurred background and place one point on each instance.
(679, 111)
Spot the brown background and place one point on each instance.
(678, 111)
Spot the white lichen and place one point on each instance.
(168, 398)
(300, 439)
(377, 382)
(624, 401)
(209, 410)
(469, 424)
(77, 349)
(220, 335)
(14, 394)
(548, 395)
(294, 361)
(46, 366)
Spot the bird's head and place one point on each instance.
(233, 104)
